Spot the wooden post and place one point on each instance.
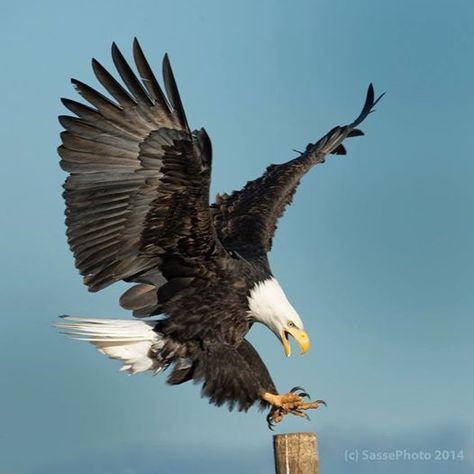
(296, 453)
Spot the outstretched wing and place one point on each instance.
(246, 220)
(138, 190)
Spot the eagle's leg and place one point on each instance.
(292, 402)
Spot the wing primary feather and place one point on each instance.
(78, 108)
(112, 85)
(368, 106)
(128, 76)
(340, 150)
(355, 133)
(147, 76)
(173, 93)
(94, 97)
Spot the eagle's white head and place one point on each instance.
(269, 305)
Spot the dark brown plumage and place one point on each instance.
(137, 209)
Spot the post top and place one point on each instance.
(301, 434)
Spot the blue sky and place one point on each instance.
(376, 253)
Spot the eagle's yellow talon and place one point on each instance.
(288, 403)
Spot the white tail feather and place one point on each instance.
(135, 343)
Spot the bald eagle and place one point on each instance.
(137, 210)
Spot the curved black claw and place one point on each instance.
(301, 413)
(322, 402)
(270, 422)
(302, 392)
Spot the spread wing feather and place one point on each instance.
(246, 220)
(139, 179)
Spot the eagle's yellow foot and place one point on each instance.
(292, 402)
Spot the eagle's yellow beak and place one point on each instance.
(300, 336)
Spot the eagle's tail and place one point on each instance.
(134, 343)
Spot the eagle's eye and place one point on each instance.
(291, 324)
